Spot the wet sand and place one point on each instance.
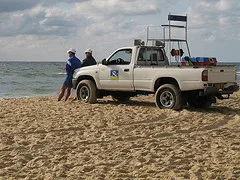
(41, 138)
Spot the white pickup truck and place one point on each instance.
(131, 71)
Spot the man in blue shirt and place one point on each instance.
(72, 64)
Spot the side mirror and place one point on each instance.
(104, 62)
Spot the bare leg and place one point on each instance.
(68, 93)
(61, 94)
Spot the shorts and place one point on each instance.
(68, 82)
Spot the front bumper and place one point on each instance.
(213, 90)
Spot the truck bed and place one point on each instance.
(216, 74)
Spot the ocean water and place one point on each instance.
(238, 72)
(28, 79)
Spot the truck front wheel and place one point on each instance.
(168, 96)
(87, 91)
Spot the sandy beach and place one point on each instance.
(41, 138)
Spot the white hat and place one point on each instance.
(72, 50)
(88, 51)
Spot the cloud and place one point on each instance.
(92, 17)
(105, 24)
(38, 21)
(97, 24)
(16, 5)
(109, 27)
(114, 17)
(96, 8)
(215, 20)
(20, 5)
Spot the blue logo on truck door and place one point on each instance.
(114, 74)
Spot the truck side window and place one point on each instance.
(141, 59)
(150, 57)
(121, 57)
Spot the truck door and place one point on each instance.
(117, 74)
(150, 60)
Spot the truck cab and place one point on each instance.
(123, 68)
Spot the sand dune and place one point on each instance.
(44, 139)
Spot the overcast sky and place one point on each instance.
(43, 30)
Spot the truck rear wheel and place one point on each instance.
(87, 91)
(168, 96)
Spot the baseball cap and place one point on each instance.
(88, 51)
(71, 50)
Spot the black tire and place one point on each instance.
(203, 102)
(87, 91)
(168, 96)
(121, 99)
